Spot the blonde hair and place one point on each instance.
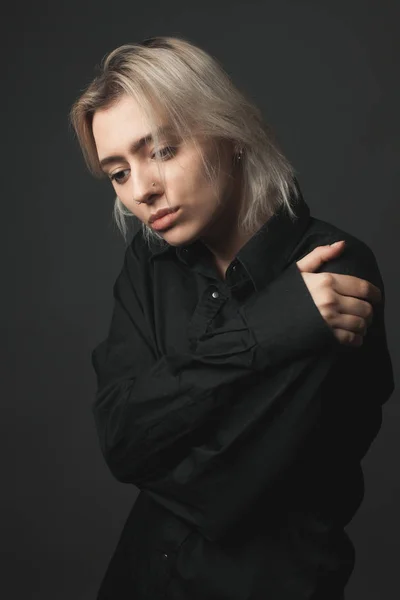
(173, 78)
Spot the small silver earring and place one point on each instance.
(152, 185)
(239, 155)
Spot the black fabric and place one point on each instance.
(232, 407)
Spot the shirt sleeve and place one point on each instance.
(181, 426)
(145, 403)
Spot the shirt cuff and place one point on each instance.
(285, 321)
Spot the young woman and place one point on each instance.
(242, 377)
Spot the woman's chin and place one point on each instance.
(179, 235)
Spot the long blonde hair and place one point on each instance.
(172, 77)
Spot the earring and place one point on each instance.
(152, 185)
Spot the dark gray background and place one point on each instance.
(326, 77)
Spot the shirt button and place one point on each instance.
(165, 556)
(215, 295)
(234, 268)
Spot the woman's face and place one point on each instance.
(133, 170)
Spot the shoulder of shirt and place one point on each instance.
(357, 258)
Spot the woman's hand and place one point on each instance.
(343, 300)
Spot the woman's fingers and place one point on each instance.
(348, 285)
(347, 316)
(320, 255)
(354, 307)
(351, 324)
(354, 324)
(344, 301)
(347, 338)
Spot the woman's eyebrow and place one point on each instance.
(135, 146)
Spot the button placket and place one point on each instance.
(208, 306)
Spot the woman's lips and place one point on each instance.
(165, 221)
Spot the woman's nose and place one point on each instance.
(143, 186)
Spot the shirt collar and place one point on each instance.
(267, 253)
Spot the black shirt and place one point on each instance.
(233, 408)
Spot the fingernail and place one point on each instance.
(336, 243)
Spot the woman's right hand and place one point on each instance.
(344, 301)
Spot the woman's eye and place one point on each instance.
(163, 153)
(120, 176)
